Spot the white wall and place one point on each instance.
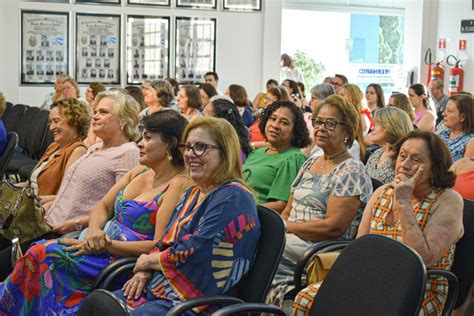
(248, 44)
(449, 15)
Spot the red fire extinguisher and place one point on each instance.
(456, 76)
(437, 72)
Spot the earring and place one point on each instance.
(346, 140)
(169, 156)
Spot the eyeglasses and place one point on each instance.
(330, 125)
(198, 148)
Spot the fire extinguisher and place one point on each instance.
(437, 72)
(456, 76)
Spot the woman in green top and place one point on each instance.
(271, 170)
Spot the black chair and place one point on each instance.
(12, 142)
(238, 309)
(8, 107)
(463, 266)
(253, 288)
(380, 266)
(12, 120)
(375, 183)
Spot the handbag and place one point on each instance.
(320, 265)
(19, 215)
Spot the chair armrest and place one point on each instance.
(249, 308)
(452, 288)
(200, 301)
(323, 246)
(112, 270)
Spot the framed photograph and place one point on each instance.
(99, 1)
(97, 48)
(197, 4)
(148, 48)
(44, 46)
(164, 3)
(195, 48)
(243, 5)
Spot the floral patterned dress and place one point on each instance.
(47, 280)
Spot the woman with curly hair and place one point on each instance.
(220, 107)
(270, 170)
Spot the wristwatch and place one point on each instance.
(78, 225)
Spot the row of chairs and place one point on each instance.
(368, 265)
(31, 125)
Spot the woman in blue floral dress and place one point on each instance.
(55, 275)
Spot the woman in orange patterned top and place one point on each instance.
(419, 209)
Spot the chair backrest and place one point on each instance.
(374, 275)
(12, 142)
(36, 133)
(463, 266)
(253, 288)
(12, 120)
(8, 107)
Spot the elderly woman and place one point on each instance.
(158, 96)
(57, 94)
(140, 206)
(391, 124)
(374, 97)
(270, 170)
(458, 117)
(322, 205)
(189, 101)
(239, 95)
(216, 215)
(424, 118)
(223, 108)
(419, 209)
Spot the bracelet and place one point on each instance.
(252, 144)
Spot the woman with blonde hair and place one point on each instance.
(70, 89)
(354, 95)
(401, 101)
(391, 124)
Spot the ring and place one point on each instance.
(397, 180)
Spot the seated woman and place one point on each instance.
(401, 101)
(464, 169)
(207, 91)
(223, 108)
(158, 96)
(375, 97)
(140, 205)
(270, 170)
(71, 89)
(419, 98)
(354, 95)
(318, 94)
(239, 95)
(391, 124)
(214, 229)
(458, 118)
(322, 205)
(57, 94)
(189, 101)
(92, 91)
(419, 209)
(89, 178)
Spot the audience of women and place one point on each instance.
(57, 94)
(158, 96)
(270, 170)
(216, 216)
(375, 97)
(3, 131)
(458, 118)
(401, 101)
(330, 192)
(207, 91)
(391, 124)
(139, 207)
(424, 118)
(353, 94)
(417, 208)
(464, 169)
(220, 107)
(189, 101)
(238, 94)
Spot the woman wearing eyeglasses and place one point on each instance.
(270, 170)
(210, 241)
(330, 191)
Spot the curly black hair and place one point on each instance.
(228, 111)
(300, 137)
